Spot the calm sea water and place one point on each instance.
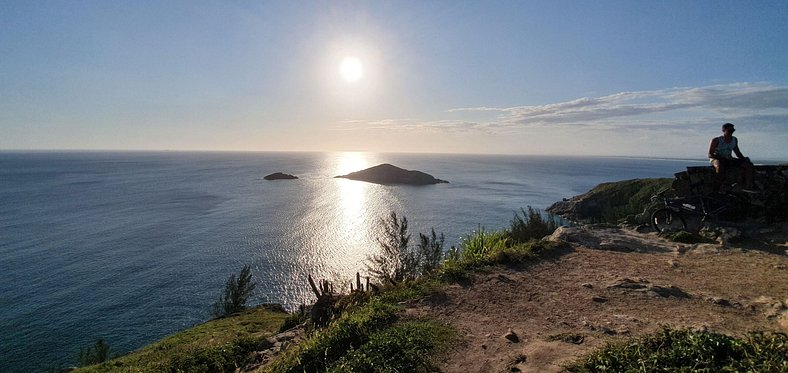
(131, 247)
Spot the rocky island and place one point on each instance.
(388, 174)
(280, 176)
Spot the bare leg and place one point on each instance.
(749, 174)
(716, 181)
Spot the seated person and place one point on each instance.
(721, 157)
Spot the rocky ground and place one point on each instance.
(612, 283)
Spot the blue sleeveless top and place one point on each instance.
(725, 150)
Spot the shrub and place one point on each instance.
(236, 293)
(531, 225)
(395, 262)
(98, 354)
(327, 346)
(430, 251)
(691, 351)
(405, 347)
(398, 261)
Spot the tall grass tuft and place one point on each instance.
(532, 224)
(480, 244)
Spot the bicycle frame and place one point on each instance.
(698, 204)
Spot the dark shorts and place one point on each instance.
(733, 162)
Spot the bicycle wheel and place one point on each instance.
(666, 220)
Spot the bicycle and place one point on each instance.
(671, 217)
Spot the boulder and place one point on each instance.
(280, 176)
(387, 174)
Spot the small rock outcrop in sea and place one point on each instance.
(280, 176)
(388, 174)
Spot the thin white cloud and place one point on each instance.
(407, 124)
(756, 103)
(474, 109)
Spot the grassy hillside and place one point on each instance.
(217, 345)
(611, 202)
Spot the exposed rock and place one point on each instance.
(643, 286)
(782, 320)
(280, 176)
(511, 336)
(721, 302)
(668, 291)
(705, 248)
(577, 235)
(599, 299)
(273, 346)
(612, 239)
(626, 283)
(387, 174)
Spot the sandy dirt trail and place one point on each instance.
(610, 284)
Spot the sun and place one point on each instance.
(351, 69)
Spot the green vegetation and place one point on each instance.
(398, 261)
(236, 293)
(480, 244)
(515, 246)
(622, 200)
(395, 262)
(430, 251)
(532, 225)
(628, 198)
(691, 351)
(98, 354)
(372, 337)
(405, 347)
(328, 345)
(687, 237)
(218, 345)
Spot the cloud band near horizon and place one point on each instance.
(760, 104)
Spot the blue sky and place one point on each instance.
(639, 78)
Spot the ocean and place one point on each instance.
(133, 246)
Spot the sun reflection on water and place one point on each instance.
(354, 223)
(339, 226)
(340, 222)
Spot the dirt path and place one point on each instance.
(611, 284)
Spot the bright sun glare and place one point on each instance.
(351, 69)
